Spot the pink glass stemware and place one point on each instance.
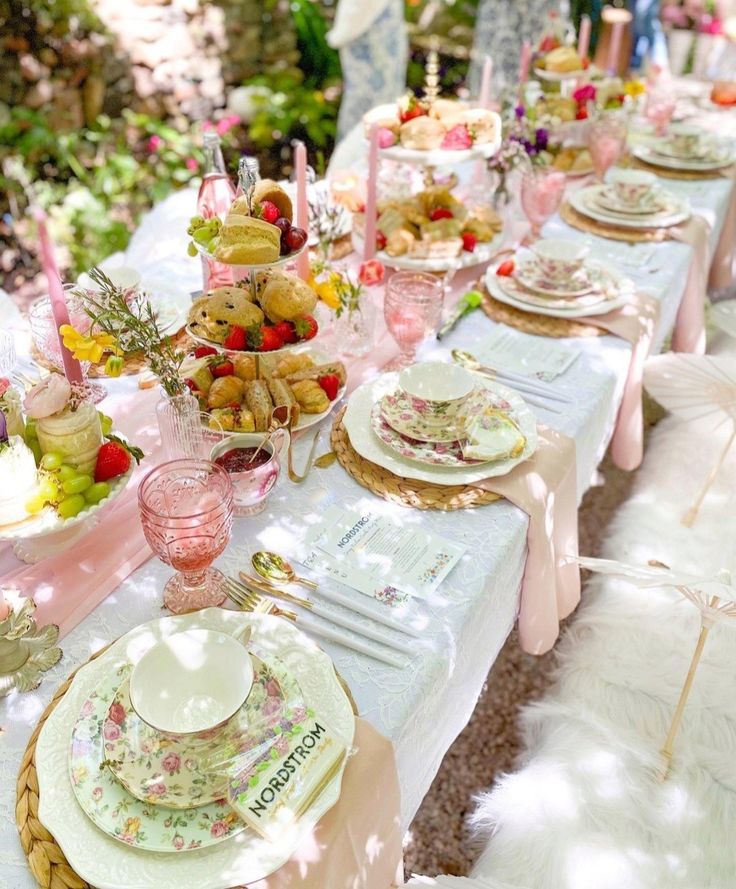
(606, 142)
(186, 509)
(542, 189)
(659, 108)
(412, 308)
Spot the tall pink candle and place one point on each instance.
(484, 100)
(584, 36)
(72, 368)
(302, 206)
(369, 249)
(526, 58)
(617, 35)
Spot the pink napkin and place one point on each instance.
(689, 332)
(545, 488)
(635, 322)
(67, 587)
(722, 266)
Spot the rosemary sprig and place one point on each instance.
(136, 329)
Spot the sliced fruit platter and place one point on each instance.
(432, 230)
(257, 232)
(240, 394)
(273, 313)
(415, 130)
(59, 460)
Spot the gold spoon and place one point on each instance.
(280, 417)
(276, 569)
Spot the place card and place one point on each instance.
(534, 356)
(273, 788)
(380, 556)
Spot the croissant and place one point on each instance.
(225, 390)
(311, 396)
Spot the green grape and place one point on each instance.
(191, 249)
(48, 488)
(77, 485)
(35, 449)
(105, 423)
(35, 504)
(66, 472)
(52, 461)
(70, 506)
(30, 433)
(203, 235)
(97, 492)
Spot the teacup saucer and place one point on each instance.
(167, 771)
(396, 409)
(529, 275)
(665, 148)
(608, 200)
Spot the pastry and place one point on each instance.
(75, 434)
(422, 133)
(264, 190)
(562, 60)
(320, 370)
(231, 419)
(385, 116)
(19, 479)
(282, 395)
(245, 366)
(224, 391)
(211, 317)
(286, 297)
(481, 125)
(311, 396)
(399, 242)
(246, 240)
(447, 248)
(446, 108)
(258, 400)
(292, 363)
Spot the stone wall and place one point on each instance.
(168, 58)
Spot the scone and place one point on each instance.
(211, 317)
(563, 60)
(265, 190)
(311, 396)
(422, 133)
(246, 240)
(286, 297)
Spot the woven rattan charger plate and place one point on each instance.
(668, 173)
(46, 861)
(405, 491)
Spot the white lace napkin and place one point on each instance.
(442, 882)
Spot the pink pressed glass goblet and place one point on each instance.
(412, 307)
(606, 143)
(542, 189)
(186, 509)
(659, 108)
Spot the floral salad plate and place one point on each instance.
(397, 411)
(609, 200)
(601, 285)
(529, 275)
(159, 772)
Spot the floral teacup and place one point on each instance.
(251, 483)
(633, 188)
(436, 391)
(559, 260)
(685, 139)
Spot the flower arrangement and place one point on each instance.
(339, 289)
(525, 143)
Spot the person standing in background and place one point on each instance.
(374, 48)
(649, 43)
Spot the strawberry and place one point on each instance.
(234, 405)
(506, 268)
(411, 109)
(380, 240)
(306, 327)
(285, 330)
(548, 43)
(222, 368)
(235, 339)
(191, 384)
(204, 351)
(330, 383)
(457, 138)
(469, 241)
(113, 458)
(581, 113)
(269, 212)
(263, 338)
(440, 213)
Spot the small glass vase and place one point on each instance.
(180, 425)
(355, 328)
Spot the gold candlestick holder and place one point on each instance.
(432, 76)
(25, 650)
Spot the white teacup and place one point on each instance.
(559, 260)
(685, 139)
(632, 187)
(124, 277)
(437, 391)
(191, 682)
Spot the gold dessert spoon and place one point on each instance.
(275, 568)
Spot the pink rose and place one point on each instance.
(87, 708)
(371, 272)
(154, 143)
(299, 714)
(157, 789)
(273, 689)
(218, 829)
(116, 713)
(48, 397)
(191, 164)
(111, 731)
(271, 705)
(282, 745)
(178, 842)
(385, 137)
(97, 794)
(171, 763)
(585, 93)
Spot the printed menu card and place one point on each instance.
(380, 556)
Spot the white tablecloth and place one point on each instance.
(424, 708)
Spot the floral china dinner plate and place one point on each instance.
(602, 282)
(608, 200)
(170, 771)
(585, 201)
(529, 275)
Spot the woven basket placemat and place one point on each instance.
(613, 232)
(667, 173)
(46, 861)
(135, 363)
(405, 491)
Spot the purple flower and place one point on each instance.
(520, 112)
(542, 139)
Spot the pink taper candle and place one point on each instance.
(484, 100)
(302, 206)
(72, 368)
(584, 36)
(526, 59)
(617, 36)
(369, 249)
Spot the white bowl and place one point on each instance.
(191, 682)
(122, 276)
(437, 390)
(559, 259)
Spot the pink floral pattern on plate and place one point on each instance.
(148, 824)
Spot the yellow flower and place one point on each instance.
(635, 88)
(327, 292)
(90, 346)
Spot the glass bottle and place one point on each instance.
(249, 172)
(216, 193)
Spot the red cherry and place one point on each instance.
(269, 212)
(296, 238)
